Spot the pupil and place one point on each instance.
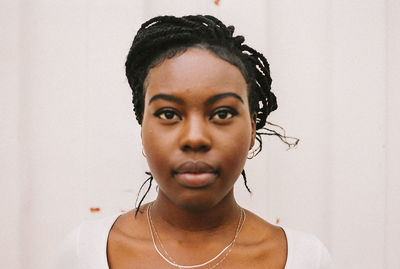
(169, 115)
(222, 114)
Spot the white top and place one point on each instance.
(86, 248)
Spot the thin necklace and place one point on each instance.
(173, 263)
(230, 246)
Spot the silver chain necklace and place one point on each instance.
(171, 261)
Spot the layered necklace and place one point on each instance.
(170, 260)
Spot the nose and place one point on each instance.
(195, 135)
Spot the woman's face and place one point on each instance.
(197, 128)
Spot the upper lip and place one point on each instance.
(194, 167)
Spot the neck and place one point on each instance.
(190, 219)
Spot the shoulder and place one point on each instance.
(306, 251)
(95, 231)
(263, 243)
(280, 247)
(86, 245)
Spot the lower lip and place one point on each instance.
(192, 180)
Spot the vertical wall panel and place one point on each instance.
(358, 133)
(67, 67)
(299, 53)
(52, 85)
(10, 164)
(114, 169)
(392, 143)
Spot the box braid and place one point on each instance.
(163, 37)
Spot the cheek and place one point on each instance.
(234, 163)
(150, 136)
(236, 149)
(157, 149)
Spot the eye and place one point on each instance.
(223, 114)
(168, 114)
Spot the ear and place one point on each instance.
(141, 136)
(253, 129)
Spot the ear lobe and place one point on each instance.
(141, 135)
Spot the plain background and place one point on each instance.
(70, 141)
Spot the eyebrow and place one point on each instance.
(166, 97)
(220, 96)
(209, 101)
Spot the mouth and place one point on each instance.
(195, 174)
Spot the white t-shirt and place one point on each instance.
(86, 248)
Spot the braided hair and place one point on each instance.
(164, 37)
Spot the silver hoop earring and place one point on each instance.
(252, 155)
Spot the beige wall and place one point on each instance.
(69, 139)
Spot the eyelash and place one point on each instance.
(163, 112)
(226, 110)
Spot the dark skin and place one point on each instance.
(196, 110)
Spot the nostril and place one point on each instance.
(200, 148)
(195, 135)
(186, 147)
(204, 148)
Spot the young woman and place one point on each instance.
(202, 98)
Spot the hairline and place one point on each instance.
(175, 51)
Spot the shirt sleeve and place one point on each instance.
(306, 251)
(325, 261)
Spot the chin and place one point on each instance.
(200, 203)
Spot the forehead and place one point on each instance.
(195, 71)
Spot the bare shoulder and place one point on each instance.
(264, 229)
(263, 242)
(128, 240)
(130, 228)
(130, 225)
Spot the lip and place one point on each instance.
(195, 174)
